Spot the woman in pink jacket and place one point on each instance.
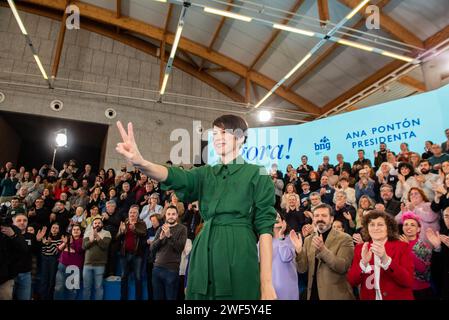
(420, 205)
(422, 255)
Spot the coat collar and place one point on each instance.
(232, 166)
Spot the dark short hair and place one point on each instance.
(172, 207)
(288, 228)
(237, 124)
(424, 160)
(304, 156)
(324, 206)
(392, 226)
(361, 150)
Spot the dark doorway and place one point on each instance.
(35, 134)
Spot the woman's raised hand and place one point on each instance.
(128, 148)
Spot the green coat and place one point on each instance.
(237, 205)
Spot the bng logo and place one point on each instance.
(324, 145)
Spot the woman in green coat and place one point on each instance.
(237, 204)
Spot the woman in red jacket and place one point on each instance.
(383, 266)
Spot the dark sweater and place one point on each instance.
(296, 219)
(8, 186)
(168, 250)
(24, 263)
(440, 206)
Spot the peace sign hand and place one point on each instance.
(128, 148)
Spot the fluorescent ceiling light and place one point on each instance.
(295, 30)
(16, 15)
(41, 67)
(164, 84)
(161, 0)
(295, 68)
(357, 9)
(227, 14)
(263, 99)
(176, 41)
(397, 56)
(300, 63)
(355, 45)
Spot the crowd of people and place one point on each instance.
(368, 230)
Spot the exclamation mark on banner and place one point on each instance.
(288, 148)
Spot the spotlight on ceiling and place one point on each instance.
(265, 116)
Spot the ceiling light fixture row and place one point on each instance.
(317, 34)
(169, 66)
(312, 52)
(28, 41)
(323, 39)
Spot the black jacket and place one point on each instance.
(140, 233)
(25, 261)
(443, 204)
(42, 218)
(304, 173)
(393, 207)
(11, 249)
(346, 167)
(296, 219)
(440, 270)
(191, 220)
(338, 215)
(63, 219)
(113, 223)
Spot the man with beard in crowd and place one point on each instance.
(381, 155)
(167, 246)
(388, 204)
(427, 179)
(60, 215)
(326, 255)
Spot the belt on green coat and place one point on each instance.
(200, 258)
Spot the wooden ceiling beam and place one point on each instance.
(189, 59)
(275, 34)
(437, 38)
(118, 9)
(323, 11)
(390, 68)
(59, 44)
(378, 75)
(139, 27)
(319, 60)
(216, 33)
(138, 44)
(412, 83)
(247, 90)
(390, 25)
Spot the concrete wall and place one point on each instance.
(97, 64)
(9, 143)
